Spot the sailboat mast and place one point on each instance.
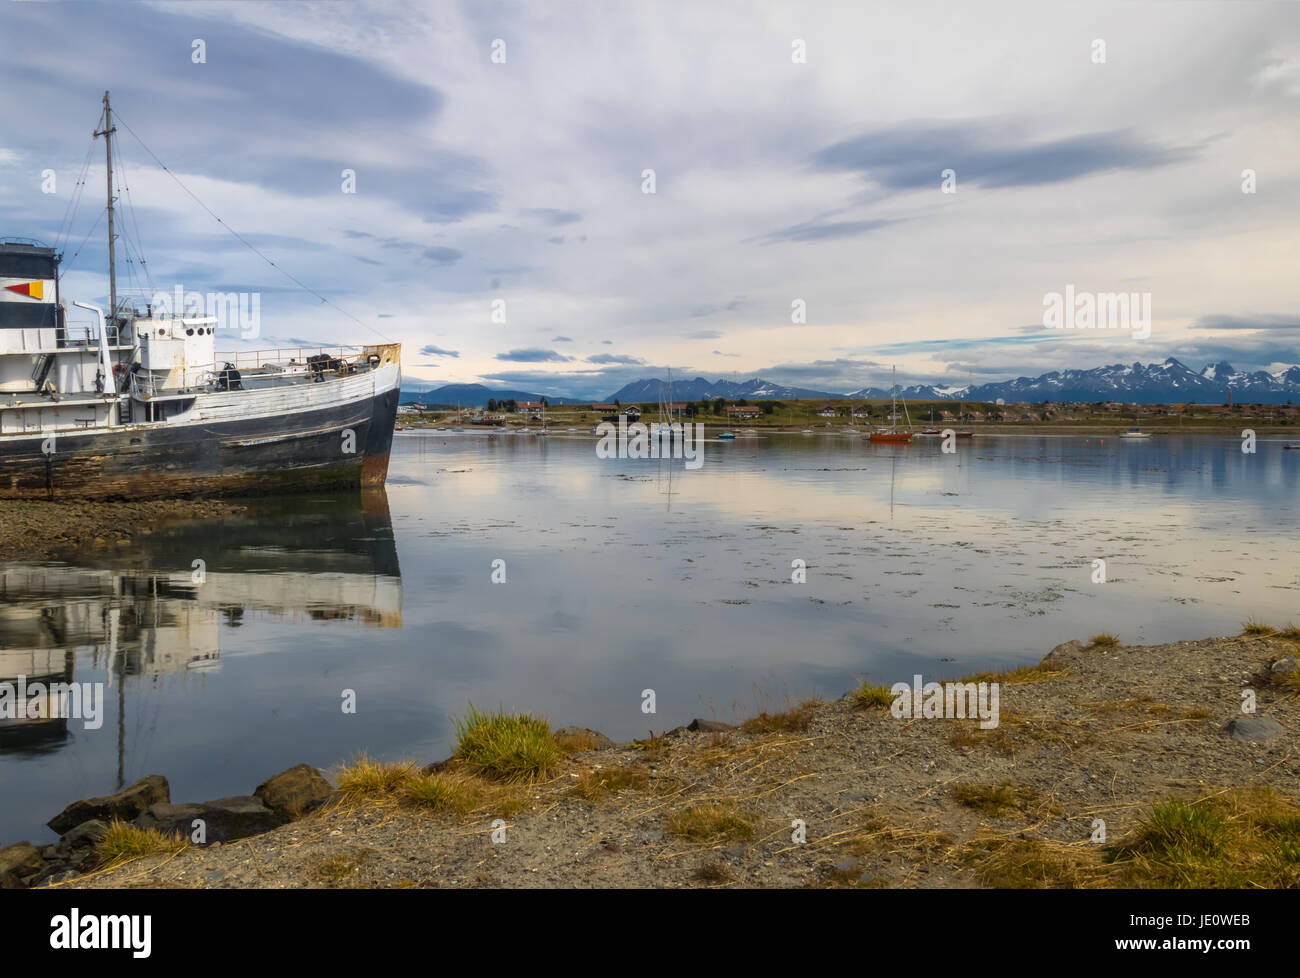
(107, 133)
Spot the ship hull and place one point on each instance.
(325, 446)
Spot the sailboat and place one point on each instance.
(893, 434)
(964, 432)
(663, 428)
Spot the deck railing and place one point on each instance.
(251, 359)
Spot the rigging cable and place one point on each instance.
(130, 208)
(102, 212)
(74, 201)
(306, 288)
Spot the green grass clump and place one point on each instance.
(506, 746)
(712, 823)
(1241, 839)
(868, 695)
(124, 841)
(1290, 631)
(454, 793)
(366, 777)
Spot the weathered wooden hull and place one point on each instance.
(332, 446)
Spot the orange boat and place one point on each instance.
(887, 436)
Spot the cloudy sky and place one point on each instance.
(778, 180)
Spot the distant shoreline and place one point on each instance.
(985, 430)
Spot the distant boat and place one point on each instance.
(964, 434)
(929, 431)
(1134, 433)
(893, 435)
(1291, 448)
(726, 435)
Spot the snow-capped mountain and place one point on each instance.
(699, 389)
(1170, 381)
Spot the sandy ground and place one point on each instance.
(1099, 733)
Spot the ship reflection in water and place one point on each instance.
(147, 627)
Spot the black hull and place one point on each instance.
(296, 452)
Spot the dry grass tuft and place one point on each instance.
(599, 782)
(791, 721)
(124, 841)
(366, 777)
(712, 822)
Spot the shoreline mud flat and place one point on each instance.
(838, 794)
(46, 530)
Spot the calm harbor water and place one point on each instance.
(621, 576)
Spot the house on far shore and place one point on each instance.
(862, 411)
(528, 407)
(826, 411)
(743, 411)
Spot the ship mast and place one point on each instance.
(107, 133)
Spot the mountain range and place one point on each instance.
(1155, 383)
(1170, 381)
(474, 395)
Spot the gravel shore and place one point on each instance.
(1094, 732)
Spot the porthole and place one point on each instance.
(189, 332)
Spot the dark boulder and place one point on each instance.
(84, 836)
(709, 726)
(20, 863)
(294, 792)
(126, 805)
(582, 738)
(1253, 728)
(223, 819)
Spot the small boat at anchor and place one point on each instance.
(893, 435)
(1135, 433)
